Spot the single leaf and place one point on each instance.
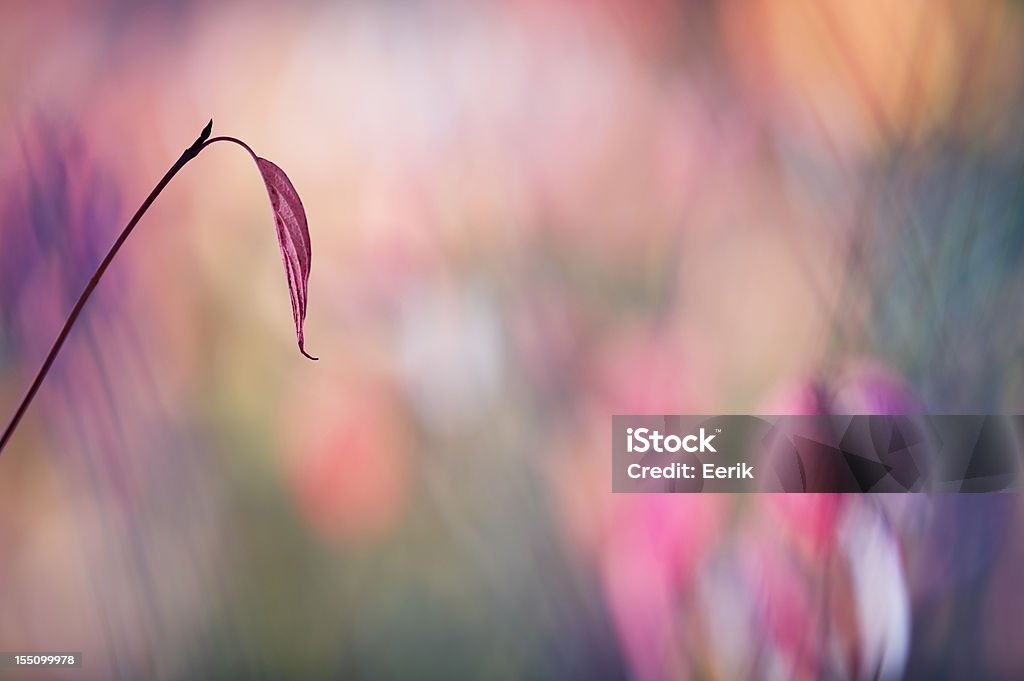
(293, 237)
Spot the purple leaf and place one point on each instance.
(293, 237)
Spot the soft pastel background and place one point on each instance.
(526, 217)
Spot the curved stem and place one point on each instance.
(185, 157)
(235, 140)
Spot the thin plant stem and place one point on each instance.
(185, 157)
(235, 140)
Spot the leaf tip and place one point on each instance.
(306, 354)
(205, 134)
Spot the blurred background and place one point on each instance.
(526, 217)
